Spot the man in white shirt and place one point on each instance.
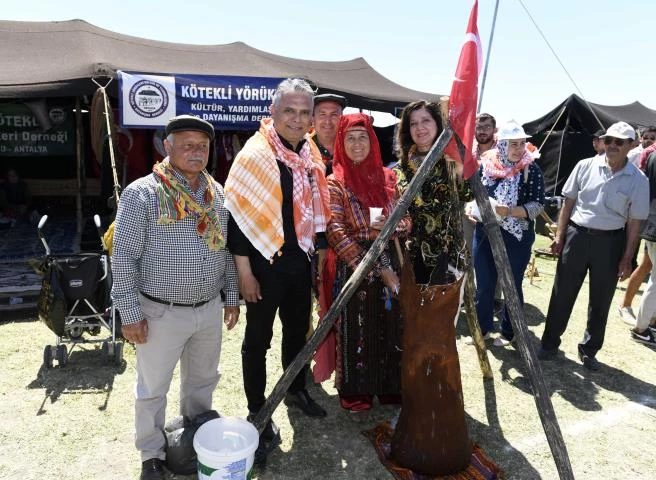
(647, 137)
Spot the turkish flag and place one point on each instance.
(464, 95)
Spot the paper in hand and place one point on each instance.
(475, 212)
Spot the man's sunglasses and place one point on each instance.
(618, 141)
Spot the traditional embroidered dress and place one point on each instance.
(436, 240)
(367, 351)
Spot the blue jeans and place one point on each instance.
(519, 254)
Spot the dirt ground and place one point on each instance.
(77, 421)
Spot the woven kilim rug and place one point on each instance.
(480, 468)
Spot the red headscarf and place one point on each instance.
(368, 180)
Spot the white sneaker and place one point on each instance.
(470, 340)
(627, 315)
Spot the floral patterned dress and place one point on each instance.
(436, 239)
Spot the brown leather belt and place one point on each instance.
(174, 304)
(595, 231)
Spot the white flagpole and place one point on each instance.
(487, 57)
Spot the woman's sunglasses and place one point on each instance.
(618, 141)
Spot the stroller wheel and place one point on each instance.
(75, 331)
(118, 353)
(62, 355)
(47, 356)
(104, 353)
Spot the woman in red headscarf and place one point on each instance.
(365, 351)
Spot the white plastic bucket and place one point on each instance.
(226, 449)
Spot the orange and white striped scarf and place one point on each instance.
(254, 196)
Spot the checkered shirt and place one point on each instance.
(170, 262)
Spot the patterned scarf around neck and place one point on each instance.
(498, 169)
(310, 191)
(175, 203)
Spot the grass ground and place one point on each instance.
(77, 421)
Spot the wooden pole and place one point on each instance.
(339, 303)
(470, 289)
(474, 327)
(525, 347)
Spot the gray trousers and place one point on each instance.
(191, 336)
(647, 309)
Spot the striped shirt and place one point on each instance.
(170, 262)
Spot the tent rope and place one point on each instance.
(103, 91)
(552, 128)
(561, 63)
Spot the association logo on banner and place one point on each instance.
(147, 100)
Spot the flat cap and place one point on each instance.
(330, 97)
(184, 123)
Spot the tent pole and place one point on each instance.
(487, 57)
(78, 152)
(560, 153)
(524, 343)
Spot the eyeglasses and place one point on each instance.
(618, 141)
(649, 137)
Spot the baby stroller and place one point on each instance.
(74, 302)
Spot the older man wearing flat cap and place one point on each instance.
(327, 111)
(170, 265)
(606, 200)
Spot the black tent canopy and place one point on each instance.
(574, 123)
(55, 59)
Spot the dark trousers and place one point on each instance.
(598, 255)
(289, 294)
(519, 254)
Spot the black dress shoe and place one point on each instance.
(547, 355)
(152, 469)
(591, 363)
(302, 400)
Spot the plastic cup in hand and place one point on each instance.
(374, 213)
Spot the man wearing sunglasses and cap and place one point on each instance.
(606, 200)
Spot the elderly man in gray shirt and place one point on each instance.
(606, 199)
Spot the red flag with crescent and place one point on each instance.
(464, 95)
